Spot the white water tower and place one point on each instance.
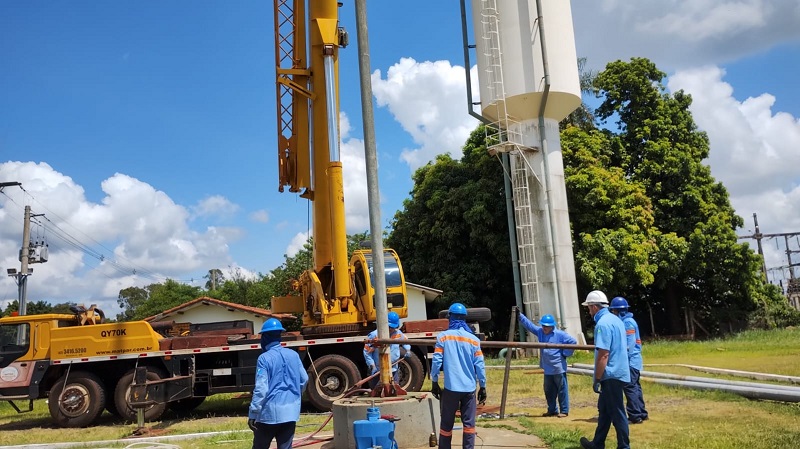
(529, 81)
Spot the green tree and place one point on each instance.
(452, 233)
(130, 299)
(702, 268)
(215, 278)
(139, 303)
(583, 117)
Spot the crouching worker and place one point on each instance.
(458, 353)
(280, 381)
(372, 353)
(553, 362)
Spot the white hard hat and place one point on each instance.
(596, 297)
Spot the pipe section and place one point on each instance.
(748, 391)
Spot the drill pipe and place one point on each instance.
(487, 344)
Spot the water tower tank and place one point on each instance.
(509, 53)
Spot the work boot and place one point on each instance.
(548, 414)
(563, 415)
(586, 444)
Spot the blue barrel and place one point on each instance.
(373, 431)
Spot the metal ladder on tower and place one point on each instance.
(504, 135)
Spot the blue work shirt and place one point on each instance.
(634, 341)
(459, 353)
(552, 361)
(280, 381)
(372, 354)
(609, 334)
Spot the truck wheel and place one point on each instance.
(77, 401)
(122, 403)
(333, 376)
(479, 314)
(412, 374)
(186, 405)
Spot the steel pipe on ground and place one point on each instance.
(653, 374)
(490, 344)
(748, 392)
(737, 373)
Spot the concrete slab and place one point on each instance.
(488, 437)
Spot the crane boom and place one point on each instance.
(307, 44)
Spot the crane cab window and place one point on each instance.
(391, 271)
(14, 342)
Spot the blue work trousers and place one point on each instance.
(635, 398)
(464, 402)
(555, 386)
(611, 406)
(283, 434)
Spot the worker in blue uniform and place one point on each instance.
(553, 362)
(458, 353)
(280, 381)
(372, 353)
(633, 390)
(611, 373)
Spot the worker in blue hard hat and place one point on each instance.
(633, 390)
(611, 373)
(553, 362)
(280, 381)
(372, 353)
(458, 353)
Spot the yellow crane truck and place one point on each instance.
(84, 366)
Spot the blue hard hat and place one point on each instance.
(457, 309)
(394, 320)
(271, 325)
(618, 303)
(547, 320)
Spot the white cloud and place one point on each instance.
(681, 33)
(297, 243)
(135, 235)
(755, 153)
(428, 100)
(214, 205)
(260, 216)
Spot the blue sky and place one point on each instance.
(146, 130)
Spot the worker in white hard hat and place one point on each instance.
(611, 373)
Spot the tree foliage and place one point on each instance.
(649, 222)
(701, 267)
(452, 233)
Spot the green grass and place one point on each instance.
(680, 418)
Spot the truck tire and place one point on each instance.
(412, 374)
(121, 400)
(329, 378)
(479, 314)
(76, 401)
(184, 406)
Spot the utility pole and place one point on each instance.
(22, 277)
(757, 235)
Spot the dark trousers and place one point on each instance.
(452, 401)
(555, 386)
(264, 433)
(635, 398)
(611, 406)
